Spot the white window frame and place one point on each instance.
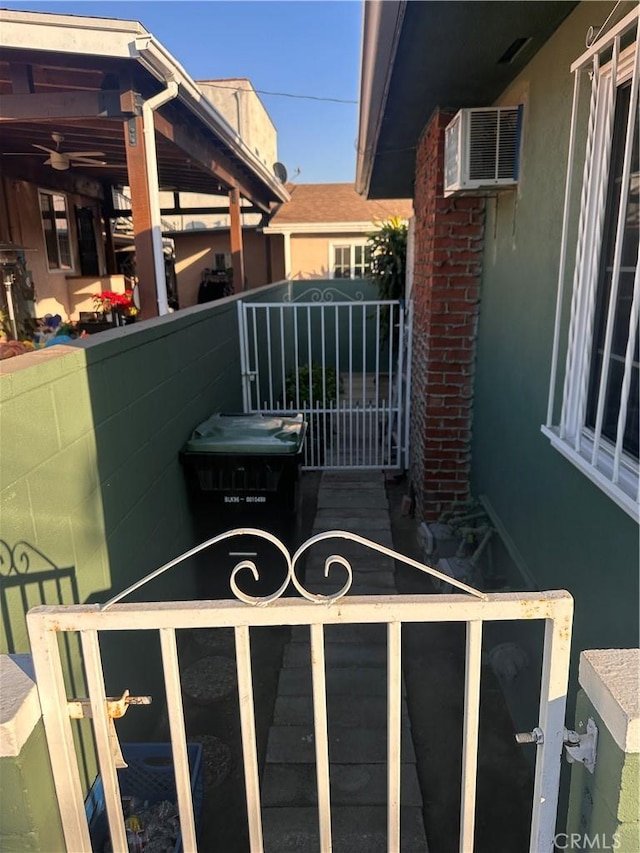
(345, 244)
(605, 462)
(57, 269)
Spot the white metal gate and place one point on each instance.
(343, 365)
(471, 607)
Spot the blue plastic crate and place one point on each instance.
(150, 777)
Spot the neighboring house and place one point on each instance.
(519, 299)
(323, 230)
(88, 106)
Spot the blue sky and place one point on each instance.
(298, 47)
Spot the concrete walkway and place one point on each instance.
(357, 707)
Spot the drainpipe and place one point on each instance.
(148, 108)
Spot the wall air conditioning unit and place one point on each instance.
(482, 150)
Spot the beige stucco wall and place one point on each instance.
(310, 253)
(245, 112)
(53, 294)
(195, 251)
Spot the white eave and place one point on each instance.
(118, 39)
(320, 228)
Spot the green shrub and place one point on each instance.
(320, 394)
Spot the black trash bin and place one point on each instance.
(246, 460)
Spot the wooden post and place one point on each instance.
(237, 253)
(109, 248)
(137, 170)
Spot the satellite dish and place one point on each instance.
(280, 171)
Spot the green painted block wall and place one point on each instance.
(29, 819)
(605, 804)
(569, 533)
(93, 497)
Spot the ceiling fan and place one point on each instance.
(62, 160)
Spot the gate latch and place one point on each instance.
(583, 747)
(80, 709)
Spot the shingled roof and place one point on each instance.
(316, 203)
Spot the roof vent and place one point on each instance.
(481, 150)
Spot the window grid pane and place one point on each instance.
(622, 308)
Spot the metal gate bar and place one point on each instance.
(349, 426)
(45, 623)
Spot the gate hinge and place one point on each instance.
(583, 747)
(80, 709)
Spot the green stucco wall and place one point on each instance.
(605, 804)
(90, 473)
(29, 819)
(567, 531)
(93, 497)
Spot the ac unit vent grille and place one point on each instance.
(482, 147)
(493, 144)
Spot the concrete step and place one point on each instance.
(341, 498)
(347, 745)
(377, 535)
(343, 711)
(349, 479)
(351, 785)
(337, 654)
(361, 558)
(382, 579)
(355, 829)
(352, 633)
(360, 681)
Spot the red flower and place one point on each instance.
(110, 299)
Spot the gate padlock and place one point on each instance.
(116, 707)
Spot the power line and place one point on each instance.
(281, 94)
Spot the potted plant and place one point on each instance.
(119, 306)
(306, 388)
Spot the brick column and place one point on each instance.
(446, 292)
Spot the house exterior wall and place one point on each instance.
(311, 253)
(276, 242)
(567, 532)
(195, 251)
(52, 291)
(237, 101)
(446, 278)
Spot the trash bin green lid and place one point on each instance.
(248, 434)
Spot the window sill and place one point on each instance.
(622, 493)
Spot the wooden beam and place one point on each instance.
(207, 156)
(187, 211)
(48, 178)
(137, 168)
(66, 105)
(109, 247)
(21, 78)
(237, 252)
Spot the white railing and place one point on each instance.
(470, 607)
(341, 364)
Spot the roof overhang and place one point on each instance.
(417, 56)
(320, 228)
(88, 72)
